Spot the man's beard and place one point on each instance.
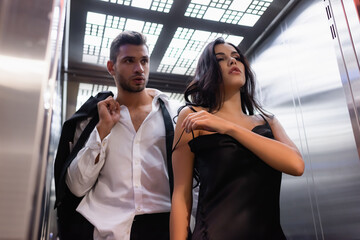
(126, 85)
(133, 89)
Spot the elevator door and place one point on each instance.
(308, 78)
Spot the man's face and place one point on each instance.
(131, 70)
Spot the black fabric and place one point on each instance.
(71, 224)
(63, 156)
(151, 227)
(169, 128)
(239, 193)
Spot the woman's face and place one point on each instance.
(232, 69)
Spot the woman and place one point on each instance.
(237, 157)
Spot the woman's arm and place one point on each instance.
(183, 164)
(280, 153)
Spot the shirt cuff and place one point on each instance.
(94, 143)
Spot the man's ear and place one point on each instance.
(110, 67)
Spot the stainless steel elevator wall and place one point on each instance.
(30, 41)
(299, 81)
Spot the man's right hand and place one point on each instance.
(109, 115)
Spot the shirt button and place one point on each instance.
(138, 208)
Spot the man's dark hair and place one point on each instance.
(126, 37)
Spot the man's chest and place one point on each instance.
(138, 116)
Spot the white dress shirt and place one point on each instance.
(131, 176)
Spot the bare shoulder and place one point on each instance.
(275, 124)
(184, 112)
(271, 119)
(189, 109)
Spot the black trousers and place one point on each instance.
(145, 227)
(151, 227)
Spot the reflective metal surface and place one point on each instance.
(29, 47)
(301, 83)
(308, 72)
(347, 43)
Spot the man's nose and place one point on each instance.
(139, 67)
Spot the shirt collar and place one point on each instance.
(156, 94)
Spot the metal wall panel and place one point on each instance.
(300, 82)
(345, 25)
(29, 47)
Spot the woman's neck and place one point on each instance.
(232, 105)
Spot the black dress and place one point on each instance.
(239, 193)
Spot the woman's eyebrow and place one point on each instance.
(221, 53)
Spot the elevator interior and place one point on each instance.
(305, 55)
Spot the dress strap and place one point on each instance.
(191, 107)
(192, 132)
(177, 142)
(264, 119)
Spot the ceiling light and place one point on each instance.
(184, 50)
(101, 29)
(86, 90)
(154, 5)
(228, 11)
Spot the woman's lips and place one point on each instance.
(234, 70)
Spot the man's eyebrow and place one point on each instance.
(134, 57)
(124, 57)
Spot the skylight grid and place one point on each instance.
(101, 29)
(184, 50)
(154, 5)
(239, 12)
(87, 89)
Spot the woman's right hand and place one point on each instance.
(109, 115)
(203, 120)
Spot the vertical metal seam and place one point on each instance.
(304, 144)
(346, 71)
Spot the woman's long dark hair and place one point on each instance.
(205, 89)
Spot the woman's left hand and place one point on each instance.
(204, 120)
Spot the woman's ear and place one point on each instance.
(110, 67)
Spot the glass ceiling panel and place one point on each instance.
(241, 12)
(101, 29)
(155, 5)
(185, 48)
(86, 90)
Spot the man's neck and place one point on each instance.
(133, 99)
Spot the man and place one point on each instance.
(121, 170)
